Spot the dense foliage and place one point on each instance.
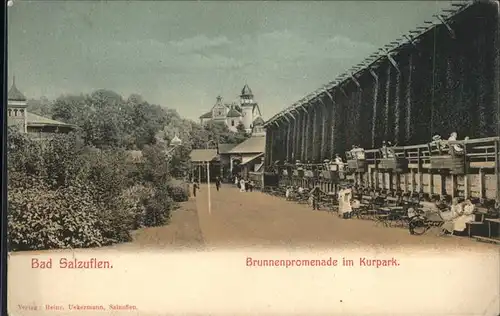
(107, 120)
(64, 194)
(84, 189)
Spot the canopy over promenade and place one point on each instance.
(441, 78)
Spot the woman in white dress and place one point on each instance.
(450, 216)
(242, 185)
(464, 215)
(345, 207)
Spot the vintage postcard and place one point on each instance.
(253, 157)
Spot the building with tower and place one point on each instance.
(35, 125)
(247, 113)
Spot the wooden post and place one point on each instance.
(431, 183)
(496, 91)
(481, 184)
(288, 142)
(466, 184)
(443, 184)
(324, 113)
(497, 171)
(303, 148)
(315, 141)
(419, 170)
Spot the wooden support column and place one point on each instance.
(375, 100)
(412, 180)
(316, 134)
(453, 186)
(388, 103)
(307, 138)
(419, 171)
(481, 184)
(405, 183)
(269, 150)
(324, 120)
(443, 184)
(304, 137)
(288, 142)
(293, 139)
(496, 91)
(408, 100)
(431, 183)
(296, 150)
(497, 170)
(332, 125)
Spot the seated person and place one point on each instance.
(338, 159)
(456, 147)
(390, 150)
(355, 204)
(359, 153)
(464, 215)
(384, 150)
(437, 142)
(411, 213)
(337, 164)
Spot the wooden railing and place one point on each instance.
(435, 169)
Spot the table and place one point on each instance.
(493, 220)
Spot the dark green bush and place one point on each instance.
(41, 218)
(158, 207)
(65, 195)
(179, 193)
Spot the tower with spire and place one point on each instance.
(247, 112)
(249, 108)
(16, 108)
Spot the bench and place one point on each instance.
(486, 239)
(393, 212)
(366, 207)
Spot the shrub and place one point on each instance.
(40, 218)
(108, 171)
(158, 207)
(179, 193)
(134, 201)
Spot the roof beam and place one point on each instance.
(285, 117)
(410, 40)
(329, 95)
(374, 75)
(448, 27)
(290, 113)
(343, 92)
(356, 82)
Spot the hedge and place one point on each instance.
(65, 195)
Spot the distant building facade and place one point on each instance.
(247, 112)
(35, 125)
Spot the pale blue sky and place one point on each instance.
(183, 54)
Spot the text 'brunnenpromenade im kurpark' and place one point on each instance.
(326, 262)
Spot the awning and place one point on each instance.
(203, 155)
(247, 159)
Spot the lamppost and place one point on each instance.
(208, 177)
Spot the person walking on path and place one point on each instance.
(315, 195)
(196, 186)
(217, 183)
